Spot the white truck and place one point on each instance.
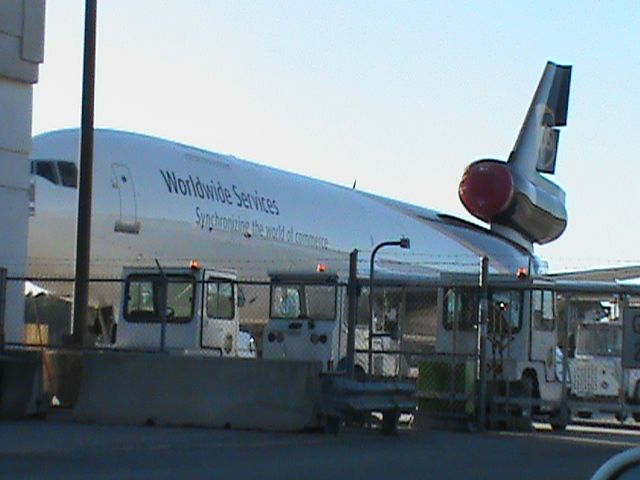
(521, 342)
(188, 309)
(308, 321)
(523, 345)
(598, 378)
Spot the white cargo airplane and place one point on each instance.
(157, 199)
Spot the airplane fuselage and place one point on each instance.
(156, 199)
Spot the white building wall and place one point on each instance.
(21, 50)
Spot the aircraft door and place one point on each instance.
(122, 180)
(219, 321)
(544, 337)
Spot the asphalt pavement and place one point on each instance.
(58, 448)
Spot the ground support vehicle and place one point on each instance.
(308, 320)
(599, 384)
(520, 342)
(188, 309)
(528, 345)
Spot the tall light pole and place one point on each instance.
(83, 232)
(402, 243)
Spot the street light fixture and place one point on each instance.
(402, 243)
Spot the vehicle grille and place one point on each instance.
(585, 379)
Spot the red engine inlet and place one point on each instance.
(486, 188)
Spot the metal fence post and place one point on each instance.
(352, 292)
(453, 361)
(3, 296)
(483, 312)
(162, 301)
(402, 313)
(564, 407)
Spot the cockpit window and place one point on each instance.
(57, 172)
(68, 174)
(47, 170)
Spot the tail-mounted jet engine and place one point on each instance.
(514, 197)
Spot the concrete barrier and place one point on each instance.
(21, 385)
(62, 375)
(170, 389)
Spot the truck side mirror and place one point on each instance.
(242, 300)
(393, 327)
(572, 346)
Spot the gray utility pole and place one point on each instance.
(353, 292)
(483, 315)
(83, 232)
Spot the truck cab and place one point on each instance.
(596, 368)
(196, 308)
(307, 319)
(522, 334)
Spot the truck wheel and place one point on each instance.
(390, 422)
(558, 426)
(584, 414)
(332, 424)
(530, 390)
(558, 421)
(636, 416)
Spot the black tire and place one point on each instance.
(529, 390)
(620, 417)
(559, 422)
(332, 424)
(636, 416)
(558, 426)
(584, 414)
(359, 374)
(389, 422)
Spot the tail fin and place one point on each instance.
(537, 143)
(513, 197)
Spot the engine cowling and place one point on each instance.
(486, 189)
(501, 194)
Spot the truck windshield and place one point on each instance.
(142, 298)
(505, 312)
(460, 308)
(220, 299)
(314, 302)
(602, 340)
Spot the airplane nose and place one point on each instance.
(486, 188)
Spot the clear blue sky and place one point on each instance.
(398, 95)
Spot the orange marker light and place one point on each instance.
(194, 265)
(522, 273)
(321, 268)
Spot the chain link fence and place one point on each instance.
(547, 350)
(556, 354)
(540, 349)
